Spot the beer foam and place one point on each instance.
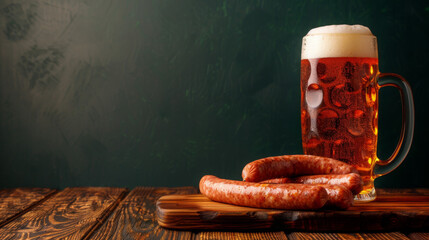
(339, 41)
(344, 29)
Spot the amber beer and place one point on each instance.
(339, 98)
(339, 111)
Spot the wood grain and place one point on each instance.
(135, 217)
(241, 235)
(381, 236)
(198, 212)
(346, 236)
(71, 214)
(419, 236)
(15, 202)
(403, 195)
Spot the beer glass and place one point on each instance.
(340, 80)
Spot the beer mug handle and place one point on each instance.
(386, 166)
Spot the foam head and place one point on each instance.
(339, 41)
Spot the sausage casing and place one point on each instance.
(250, 194)
(338, 196)
(293, 165)
(351, 181)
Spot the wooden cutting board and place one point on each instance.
(392, 211)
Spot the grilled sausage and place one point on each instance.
(338, 196)
(351, 181)
(293, 165)
(280, 196)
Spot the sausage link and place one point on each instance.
(293, 165)
(280, 196)
(282, 180)
(338, 196)
(351, 181)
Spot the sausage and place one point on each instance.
(338, 196)
(279, 180)
(293, 165)
(250, 194)
(351, 181)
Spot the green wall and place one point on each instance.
(132, 92)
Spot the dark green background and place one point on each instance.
(126, 93)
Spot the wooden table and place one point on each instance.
(117, 213)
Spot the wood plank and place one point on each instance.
(346, 236)
(419, 236)
(321, 236)
(241, 235)
(381, 236)
(135, 217)
(403, 191)
(403, 195)
(15, 202)
(198, 212)
(71, 214)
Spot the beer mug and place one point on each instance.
(339, 101)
